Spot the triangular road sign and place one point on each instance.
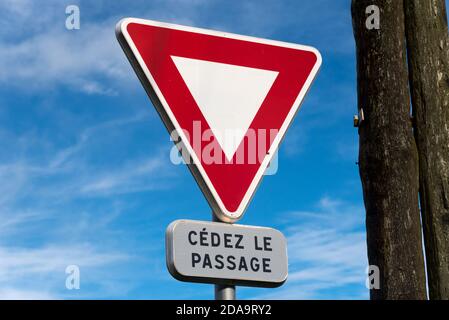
(229, 98)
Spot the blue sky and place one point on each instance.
(85, 168)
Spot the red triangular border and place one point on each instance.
(152, 44)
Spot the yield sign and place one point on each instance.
(228, 100)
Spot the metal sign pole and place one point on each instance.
(223, 292)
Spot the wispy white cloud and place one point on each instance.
(17, 263)
(327, 252)
(25, 294)
(38, 206)
(39, 273)
(129, 179)
(72, 175)
(85, 60)
(21, 18)
(39, 53)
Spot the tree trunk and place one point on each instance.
(388, 156)
(428, 55)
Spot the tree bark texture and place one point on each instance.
(388, 158)
(428, 57)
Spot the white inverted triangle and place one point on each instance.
(229, 96)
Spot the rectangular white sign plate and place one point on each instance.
(221, 253)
